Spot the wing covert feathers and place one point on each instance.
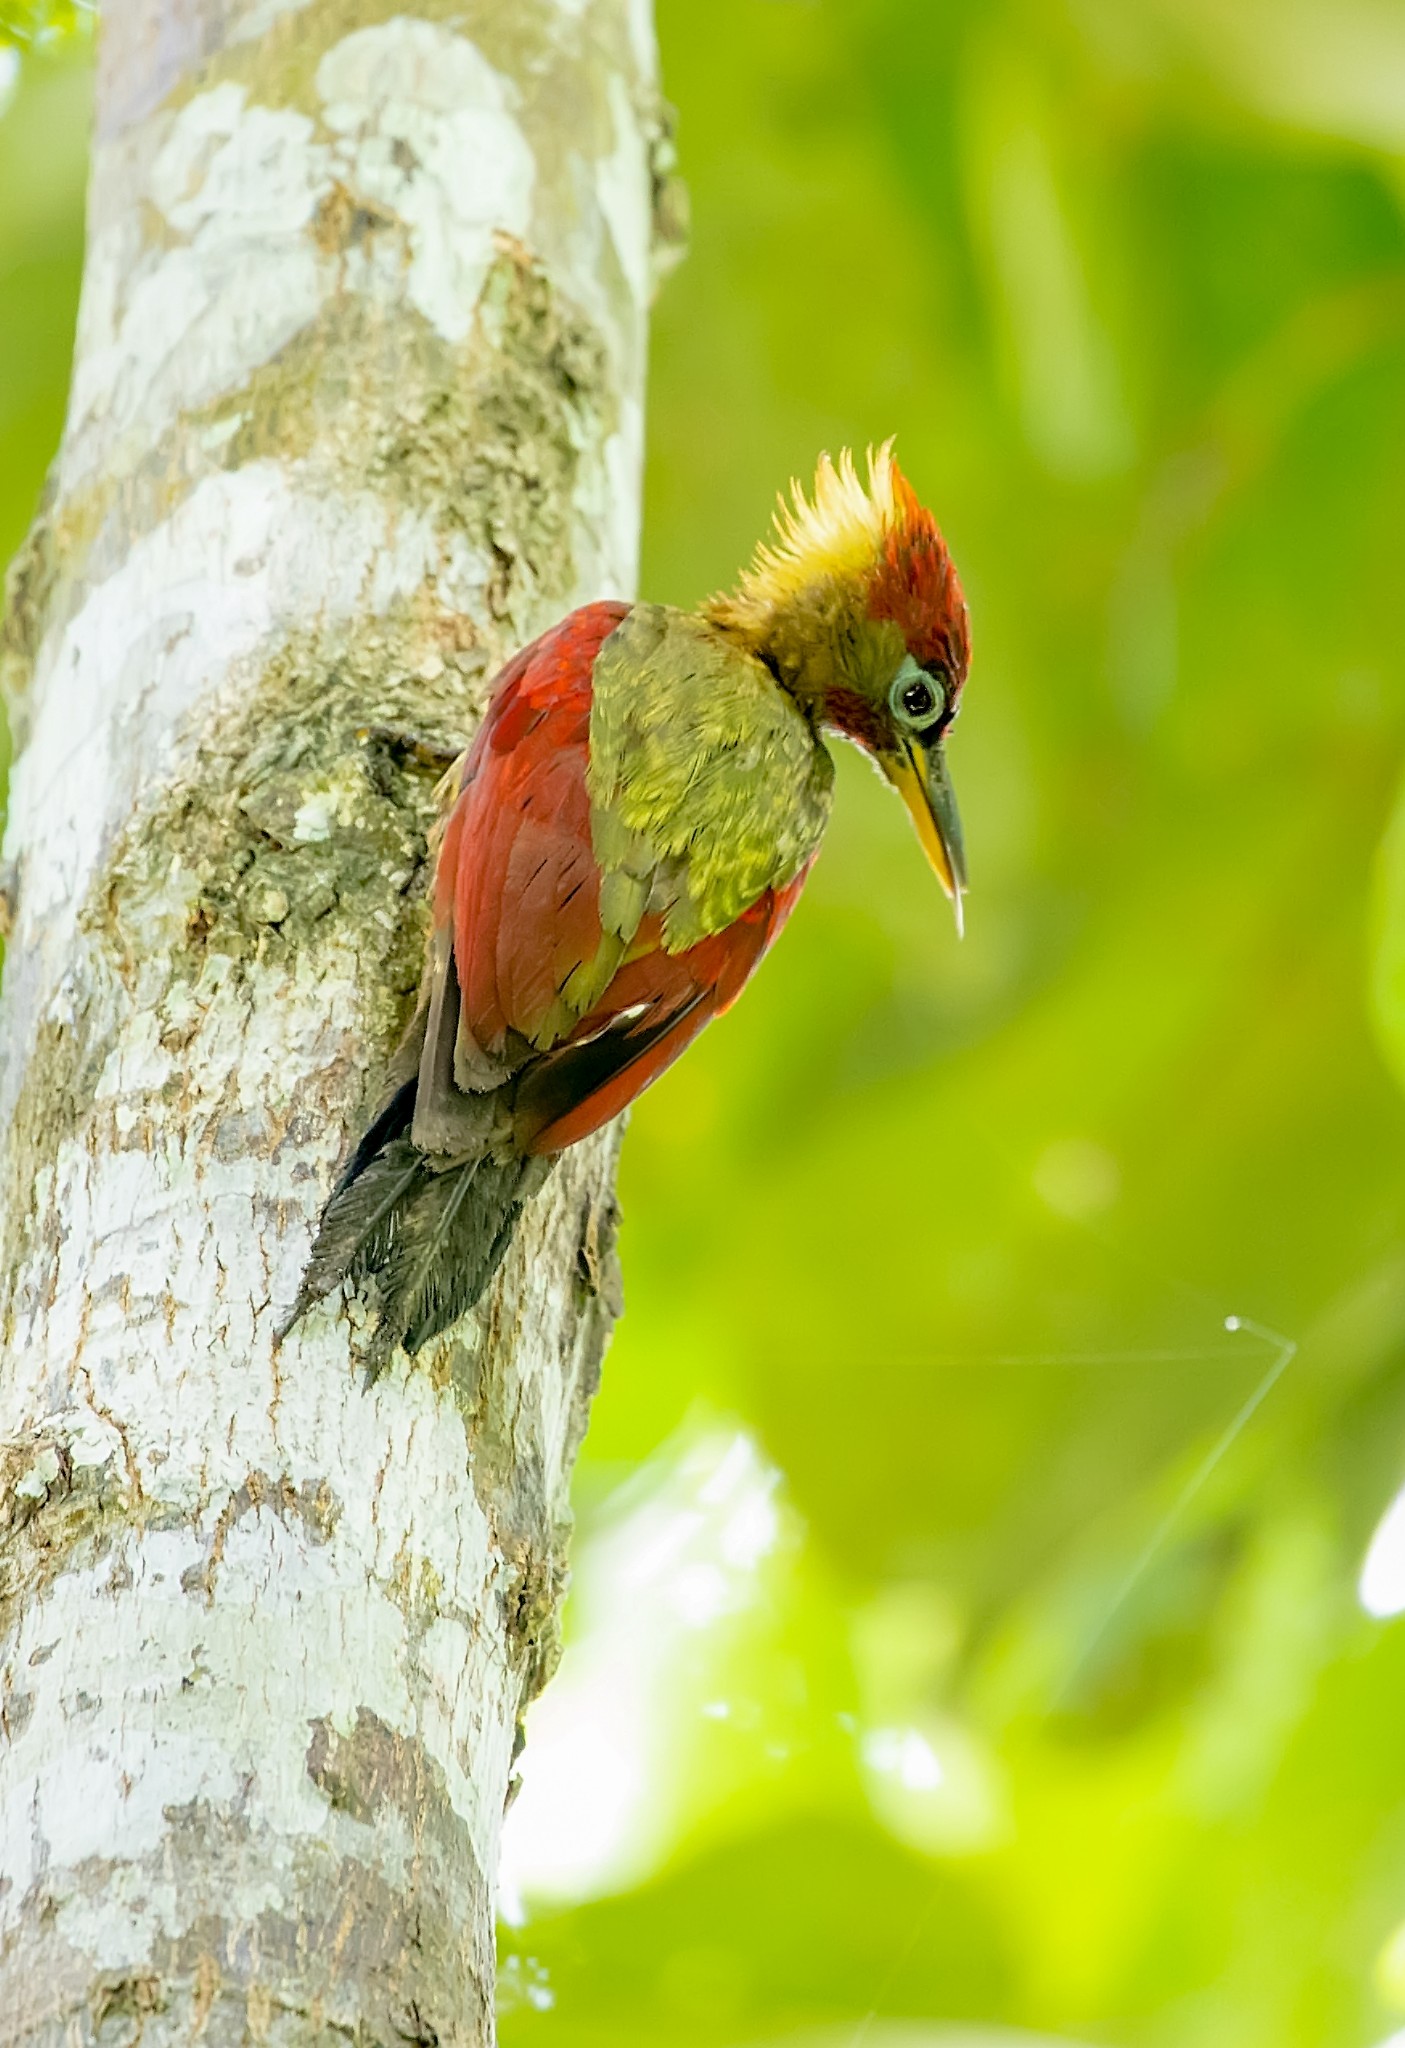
(707, 784)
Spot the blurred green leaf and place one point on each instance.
(40, 24)
(1388, 985)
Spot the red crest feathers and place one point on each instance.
(915, 584)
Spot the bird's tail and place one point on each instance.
(430, 1235)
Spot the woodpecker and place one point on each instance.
(619, 846)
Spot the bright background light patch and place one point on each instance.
(660, 1590)
(1382, 1585)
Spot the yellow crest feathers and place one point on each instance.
(840, 531)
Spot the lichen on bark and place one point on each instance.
(346, 427)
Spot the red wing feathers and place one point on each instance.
(524, 881)
(652, 1011)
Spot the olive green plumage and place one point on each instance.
(707, 784)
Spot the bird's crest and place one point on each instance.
(842, 531)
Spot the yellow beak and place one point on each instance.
(919, 775)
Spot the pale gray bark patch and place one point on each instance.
(342, 437)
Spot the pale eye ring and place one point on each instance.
(916, 699)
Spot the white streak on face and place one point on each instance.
(426, 131)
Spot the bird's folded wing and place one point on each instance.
(654, 1007)
(544, 969)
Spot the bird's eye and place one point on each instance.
(916, 699)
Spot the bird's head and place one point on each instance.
(856, 607)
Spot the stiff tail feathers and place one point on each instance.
(449, 1245)
(361, 1221)
(428, 1237)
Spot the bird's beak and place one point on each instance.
(918, 772)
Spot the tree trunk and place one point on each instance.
(356, 410)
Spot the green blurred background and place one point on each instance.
(939, 1664)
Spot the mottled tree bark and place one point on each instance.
(356, 409)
